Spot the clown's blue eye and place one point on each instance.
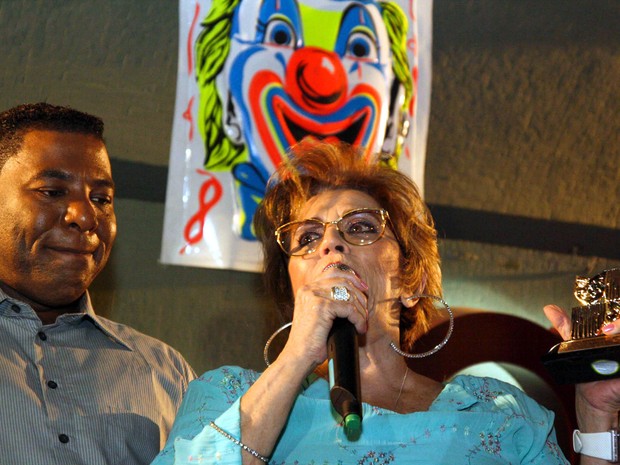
(280, 32)
(361, 46)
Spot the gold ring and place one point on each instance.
(341, 293)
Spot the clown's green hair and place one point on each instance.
(396, 25)
(212, 48)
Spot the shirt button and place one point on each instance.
(42, 336)
(16, 308)
(63, 438)
(52, 384)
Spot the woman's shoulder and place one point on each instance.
(484, 386)
(491, 394)
(227, 382)
(215, 391)
(228, 377)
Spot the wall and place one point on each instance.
(522, 165)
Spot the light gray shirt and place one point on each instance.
(84, 390)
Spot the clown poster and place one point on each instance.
(257, 76)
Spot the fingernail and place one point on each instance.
(364, 285)
(608, 328)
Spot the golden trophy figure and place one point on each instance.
(590, 355)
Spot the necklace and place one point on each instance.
(402, 384)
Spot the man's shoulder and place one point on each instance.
(155, 351)
(130, 333)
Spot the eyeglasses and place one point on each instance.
(357, 227)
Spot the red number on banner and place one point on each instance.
(210, 194)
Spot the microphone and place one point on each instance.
(344, 375)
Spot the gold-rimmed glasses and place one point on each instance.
(362, 226)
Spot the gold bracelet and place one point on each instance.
(239, 443)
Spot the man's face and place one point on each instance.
(57, 221)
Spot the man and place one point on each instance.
(75, 388)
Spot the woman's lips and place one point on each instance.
(346, 268)
(342, 267)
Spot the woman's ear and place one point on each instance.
(409, 302)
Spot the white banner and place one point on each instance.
(257, 76)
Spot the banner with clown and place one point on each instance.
(257, 76)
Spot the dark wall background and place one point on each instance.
(522, 169)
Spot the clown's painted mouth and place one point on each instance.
(351, 133)
(281, 123)
(348, 126)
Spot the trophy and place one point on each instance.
(590, 355)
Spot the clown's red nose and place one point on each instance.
(316, 80)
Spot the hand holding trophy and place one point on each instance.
(590, 355)
(590, 358)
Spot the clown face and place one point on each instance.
(317, 68)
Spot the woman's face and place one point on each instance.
(376, 264)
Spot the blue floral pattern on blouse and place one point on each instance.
(474, 421)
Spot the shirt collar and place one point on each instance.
(104, 325)
(452, 397)
(85, 312)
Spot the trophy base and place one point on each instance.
(584, 360)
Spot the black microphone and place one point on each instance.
(344, 375)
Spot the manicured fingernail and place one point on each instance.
(608, 328)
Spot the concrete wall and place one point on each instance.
(523, 144)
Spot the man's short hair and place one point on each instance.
(17, 121)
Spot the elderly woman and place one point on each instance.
(351, 240)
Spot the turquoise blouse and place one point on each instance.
(473, 421)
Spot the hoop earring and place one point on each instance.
(438, 346)
(270, 340)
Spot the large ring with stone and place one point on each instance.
(341, 293)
